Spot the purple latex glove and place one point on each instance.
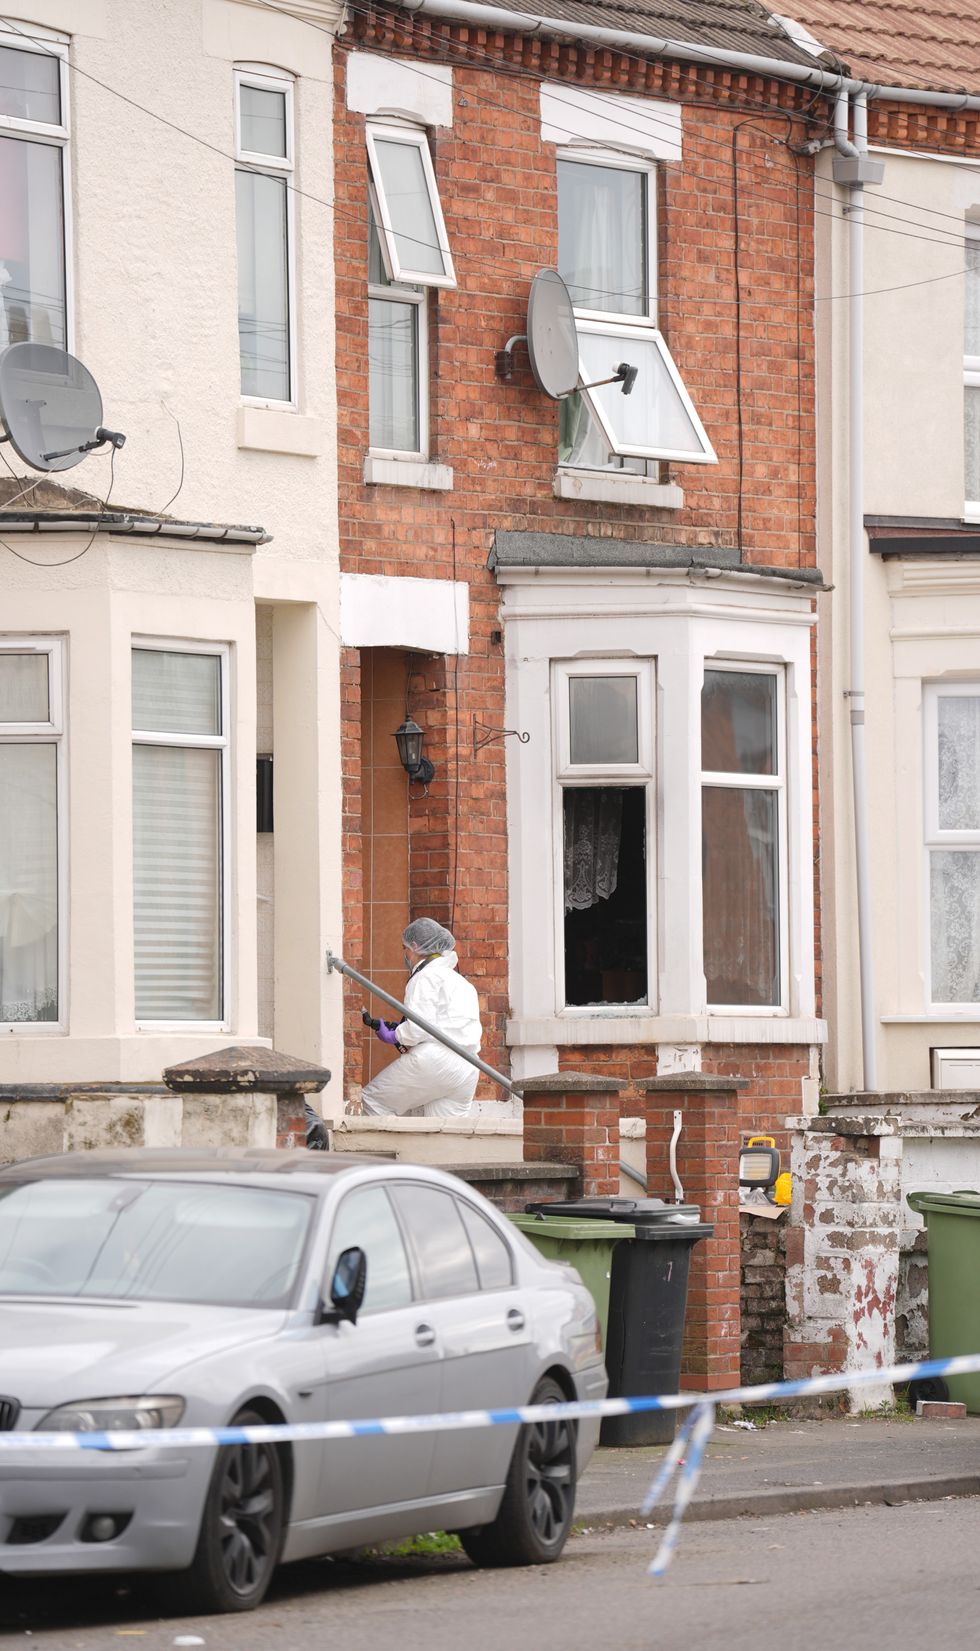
(386, 1034)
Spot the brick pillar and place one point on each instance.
(707, 1163)
(245, 1096)
(573, 1118)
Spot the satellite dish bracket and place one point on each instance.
(115, 438)
(503, 360)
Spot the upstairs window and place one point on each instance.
(971, 371)
(408, 252)
(606, 256)
(264, 214)
(33, 173)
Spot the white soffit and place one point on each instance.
(430, 615)
(390, 86)
(638, 125)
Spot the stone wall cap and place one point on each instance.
(569, 1083)
(690, 1083)
(244, 1068)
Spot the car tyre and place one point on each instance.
(535, 1515)
(241, 1530)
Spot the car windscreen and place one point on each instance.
(228, 1246)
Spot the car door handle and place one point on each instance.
(424, 1335)
(515, 1319)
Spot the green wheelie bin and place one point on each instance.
(588, 1245)
(953, 1223)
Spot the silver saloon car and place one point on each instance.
(146, 1289)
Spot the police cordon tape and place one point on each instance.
(686, 1453)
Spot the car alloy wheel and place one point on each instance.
(249, 1518)
(550, 1479)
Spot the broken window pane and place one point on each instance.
(605, 880)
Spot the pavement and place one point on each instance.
(788, 1465)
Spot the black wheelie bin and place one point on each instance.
(647, 1305)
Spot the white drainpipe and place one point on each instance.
(853, 168)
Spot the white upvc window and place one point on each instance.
(32, 846)
(605, 832)
(264, 149)
(952, 842)
(407, 208)
(607, 258)
(743, 837)
(181, 838)
(398, 352)
(34, 188)
(971, 372)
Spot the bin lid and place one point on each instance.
(565, 1227)
(945, 1203)
(641, 1212)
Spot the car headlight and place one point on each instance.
(113, 1415)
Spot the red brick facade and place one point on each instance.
(497, 185)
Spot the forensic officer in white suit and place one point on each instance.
(429, 1078)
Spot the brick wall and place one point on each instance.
(498, 190)
(763, 1298)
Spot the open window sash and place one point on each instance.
(412, 229)
(657, 420)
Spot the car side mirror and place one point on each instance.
(347, 1287)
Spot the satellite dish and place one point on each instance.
(552, 339)
(50, 407)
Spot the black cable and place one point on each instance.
(180, 441)
(66, 562)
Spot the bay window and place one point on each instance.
(264, 217)
(180, 848)
(33, 193)
(606, 767)
(952, 813)
(742, 837)
(31, 738)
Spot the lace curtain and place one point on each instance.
(593, 833)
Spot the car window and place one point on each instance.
(493, 1258)
(203, 1242)
(366, 1219)
(436, 1229)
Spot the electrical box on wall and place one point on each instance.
(263, 793)
(956, 1069)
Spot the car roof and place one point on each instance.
(214, 1162)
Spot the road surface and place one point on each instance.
(868, 1579)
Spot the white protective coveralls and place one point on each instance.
(428, 1077)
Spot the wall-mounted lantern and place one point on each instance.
(409, 739)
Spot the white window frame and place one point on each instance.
(762, 782)
(223, 743)
(971, 374)
(937, 838)
(616, 325)
(397, 294)
(413, 137)
(43, 42)
(609, 158)
(641, 775)
(52, 732)
(268, 79)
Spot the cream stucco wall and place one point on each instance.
(922, 621)
(152, 252)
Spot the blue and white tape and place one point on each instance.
(686, 1453)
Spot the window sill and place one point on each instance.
(431, 478)
(617, 1026)
(276, 430)
(608, 487)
